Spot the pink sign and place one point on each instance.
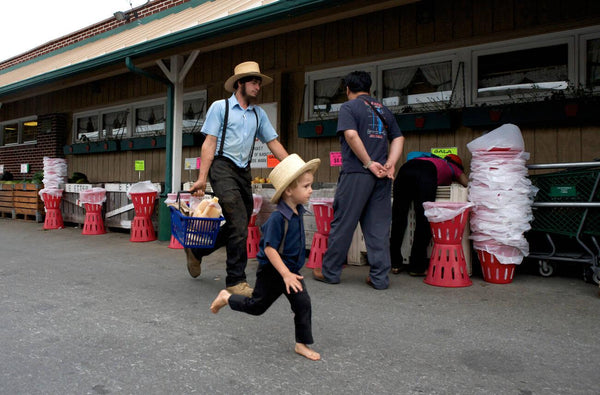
(198, 162)
(335, 159)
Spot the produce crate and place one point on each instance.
(27, 202)
(6, 201)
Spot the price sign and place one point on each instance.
(272, 161)
(139, 165)
(191, 163)
(335, 159)
(441, 152)
(24, 167)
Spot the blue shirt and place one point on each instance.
(294, 249)
(241, 128)
(358, 115)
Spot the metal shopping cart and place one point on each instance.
(566, 225)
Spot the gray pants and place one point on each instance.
(365, 198)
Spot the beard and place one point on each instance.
(249, 99)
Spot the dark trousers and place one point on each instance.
(270, 286)
(363, 198)
(232, 185)
(416, 182)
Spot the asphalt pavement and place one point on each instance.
(102, 315)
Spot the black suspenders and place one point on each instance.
(225, 120)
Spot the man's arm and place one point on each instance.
(357, 146)
(207, 156)
(277, 149)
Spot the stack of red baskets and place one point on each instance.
(323, 211)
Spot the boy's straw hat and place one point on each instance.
(246, 69)
(287, 171)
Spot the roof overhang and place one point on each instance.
(275, 18)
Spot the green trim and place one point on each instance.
(415, 122)
(143, 143)
(270, 13)
(92, 147)
(317, 129)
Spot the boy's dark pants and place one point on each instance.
(269, 286)
(232, 185)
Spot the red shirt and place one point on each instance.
(446, 171)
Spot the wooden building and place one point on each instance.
(450, 69)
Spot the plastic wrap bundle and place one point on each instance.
(93, 196)
(142, 187)
(55, 172)
(502, 194)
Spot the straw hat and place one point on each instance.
(246, 69)
(287, 171)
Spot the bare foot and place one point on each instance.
(303, 350)
(220, 301)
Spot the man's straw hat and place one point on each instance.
(287, 171)
(246, 69)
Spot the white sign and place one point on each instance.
(261, 151)
(190, 164)
(1, 168)
(24, 167)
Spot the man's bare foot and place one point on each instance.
(220, 301)
(303, 350)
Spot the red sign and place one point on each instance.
(272, 161)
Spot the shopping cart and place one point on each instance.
(566, 225)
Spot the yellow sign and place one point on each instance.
(139, 165)
(441, 152)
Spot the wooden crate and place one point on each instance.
(6, 201)
(27, 202)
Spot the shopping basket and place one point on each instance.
(194, 232)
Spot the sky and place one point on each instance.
(27, 24)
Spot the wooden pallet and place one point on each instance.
(6, 200)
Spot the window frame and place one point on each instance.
(131, 107)
(517, 45)
(20, 127)
(582, 58)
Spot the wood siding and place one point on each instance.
(402, 31)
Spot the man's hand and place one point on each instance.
(198, 188)
(377, 169)
(390, 170)
(292, 282)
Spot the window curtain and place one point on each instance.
(115, 124)
(438, 75)
(326, 89)
(394, 81)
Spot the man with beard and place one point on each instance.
(231, 127)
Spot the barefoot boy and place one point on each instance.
(282, 253)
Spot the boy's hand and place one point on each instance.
(292, 282)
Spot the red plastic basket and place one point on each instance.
(193, 232)
(493, 271)
(323, 217)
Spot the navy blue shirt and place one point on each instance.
(358, 115)
(294, 249)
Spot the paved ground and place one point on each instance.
(101, 315)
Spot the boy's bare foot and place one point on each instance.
(220, 301)
(303, 350)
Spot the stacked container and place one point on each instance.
(503, 196)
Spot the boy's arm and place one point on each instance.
(291, 280)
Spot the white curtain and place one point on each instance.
(394, 81)
(438, 75)
(326, 89)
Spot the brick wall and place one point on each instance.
(145, 10)
(51, 132)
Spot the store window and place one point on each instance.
(18, 132)
(194, 112)
(114, 124)
(150, 120)
(87, 128)
(417, 84)
(527, 72)
(30, 131)
(592, 64)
